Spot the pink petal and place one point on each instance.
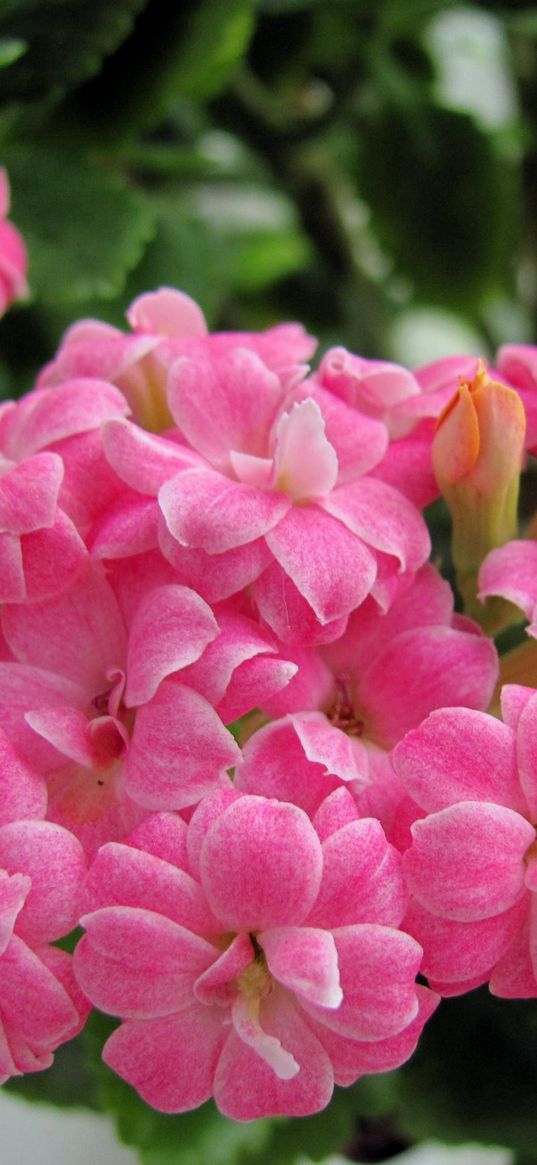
(261, 865)
(129, 527)
(12, 582)
(305, 463)
(13, 893)
(384, 518)
(190, 500)
(167, 312)
(336, 811)
(459, 754)
(340, 755)
(218, 983)
(144, 461)
(526, 747)
(52, 558)
(55, 862)
(362, 879)
(303, 542)
(514, 977)
(170, 1061)
(32, 999)
(359, 441)
(245, 1019)
(224, 404)
(123, 876)
(179, 750)
(458, 952)
(215, 577)
(467, 861)
(29, 494)
(304, 959)
(23, 791)
(291, 616)
(422, 670)
(377, 967)
(246, 1087)
(511, 571)
(49, 415)
(274, 765)
(171, 629)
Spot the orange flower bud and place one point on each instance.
(477, 456)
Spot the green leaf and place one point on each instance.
(472, 1077)
(176, 52)
(85, 229)
(11, 49)
(441, 200)
(66, 41)
(263, 257)
(185, 254)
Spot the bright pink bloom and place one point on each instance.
(13, 256)
(517, 365)
(471, 869)
(42, 869)
(251, 957)
(287, 471)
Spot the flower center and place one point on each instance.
(342, 714)
(256, 981)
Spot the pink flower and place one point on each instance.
(13, 257)
(287, 472)
(249, 959)
(471, 866)
(511, 571)
(41, 873)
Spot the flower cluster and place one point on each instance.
(245, 736)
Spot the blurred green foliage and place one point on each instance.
(348, 163)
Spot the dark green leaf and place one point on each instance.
(441, 201)
(66, 41)
(85, 229)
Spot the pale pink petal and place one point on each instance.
(251, 683)
(208, 810)
(311, 687)
(407, 466)
(362, 880)
(245, 1019)
(304, 542)
(191, 500)
(171, 628)
(511, 571)
(305, 463)
(304, 959)
(245, 1087)
(261, 865)
(167, 312)
(526, 747)
(67, 730)
(179, 750)
(170, 1061)
(55, 862)
(459, 754)
(256, 471)
(384, 518)
(467, 861)
(240, 639)
(224, 404)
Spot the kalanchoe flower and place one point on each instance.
(477, 457)
(13, 257)
(42, 869)
(471, 867)
(251, 957)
